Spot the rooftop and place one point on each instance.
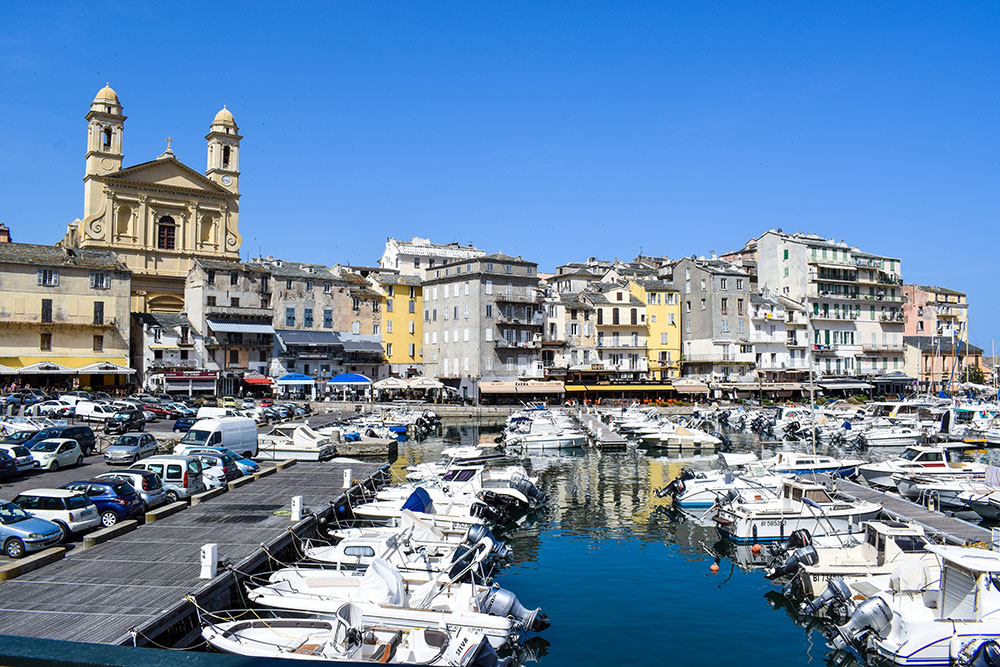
(940, 344)
(49, 256)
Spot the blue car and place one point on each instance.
(184, 424)
(21, 533)
(246, 466)
(116, 500)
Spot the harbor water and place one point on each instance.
(628, 581)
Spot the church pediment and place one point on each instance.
(168, 172)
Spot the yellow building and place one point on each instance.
(663, 326)
(402, 330)
(64, 317)
(157, 216)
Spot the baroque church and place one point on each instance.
(161, 215)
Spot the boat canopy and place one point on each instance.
(419, 501)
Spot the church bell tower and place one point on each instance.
(224, 151)
(105, 151)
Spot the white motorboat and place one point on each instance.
(868, 564)
(740, 472)
(944, 492)
(798, 463)
(913, 624)
(465, 509)
(671, 434)
(918, 459)
(802, 505)
(891, 435)
(343, 636)
(387, 597)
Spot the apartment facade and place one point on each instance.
(569, 340)
(482, 319)
(402, 322)
(937, 362)
(620, 320)
(167, 354)
(714, 296)
(935, 311)
(64, 317)
(663, 326)
(413, 257)
(853, 300)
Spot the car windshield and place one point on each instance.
(77, 502)
(122, 415)
(127, 441)
(47, 433)
(46, 446)
(227, 460)
(20, 436)
(195, 437)
(11, 513)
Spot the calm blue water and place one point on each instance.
(627, 582)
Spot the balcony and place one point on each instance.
(719, 358)
(881, 297)
(896, 318)
(248, 344)
(827, 277)
(515, 297)
(825, 349)
(846, 317)
(502, 344)
(797, 320)
(173, 364)
(877, 348)
(841, 296)
(535, 320)
(240, 311)
(792, 342)
(620, 345)
(80, 322)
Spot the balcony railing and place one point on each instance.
(882, 347)
(164, 364)
(518, 344)
(622, 344)
(515, 297)
(835, 316)
(80, 322)
(240, 311)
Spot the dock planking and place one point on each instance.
(602, 433)
(933, 522)
(99, 594)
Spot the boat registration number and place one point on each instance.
(771, 522)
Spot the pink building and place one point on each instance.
(935, 311)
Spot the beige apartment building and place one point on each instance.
(64, 317)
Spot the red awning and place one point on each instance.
(257, 381)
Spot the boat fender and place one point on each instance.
(836, 589)
(801, 557)
(987, 654)
(870, 616)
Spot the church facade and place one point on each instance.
(158, 216)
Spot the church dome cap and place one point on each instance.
(106, 94)
(224, 117)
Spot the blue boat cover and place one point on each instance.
(418, 501)
(398, 429)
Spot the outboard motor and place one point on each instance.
(797, 539)
(501, 602)
(499, 500)
(836, 590)
(530, 491)
(871, 616)
(726, 442)
(673, 489)
(486, 513)
(986, 654)
(478, 532)
(801, 557)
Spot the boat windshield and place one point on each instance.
(910, 454)
(910, 543)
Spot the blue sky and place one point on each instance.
(554, 131)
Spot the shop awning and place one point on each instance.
(294, 378)
(619, 387)
(424, 383)
(521, 387)
(349, 378)
(691, 388)
(240, 327)
(45, 368)
(314, 338)
(844, 385)
(105, 368)
(258, 380)
(362, 346)
(392, 383)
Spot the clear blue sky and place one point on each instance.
(550, 130)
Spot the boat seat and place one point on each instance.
(386, 651)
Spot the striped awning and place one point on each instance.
(240, 327)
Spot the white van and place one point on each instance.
(207, 412)
(237, 434)
(95, 412)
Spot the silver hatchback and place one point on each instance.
(147, 484)
(131, 447)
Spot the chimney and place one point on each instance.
(5, 234)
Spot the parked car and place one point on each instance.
(184, 424)
(19, 437)
(131, 447)
(95, 412)
(181, 475)
(246, 466)
(218, 469)
(248, 404)
(181, 410)
(266, 402)
(147, 483)
(116, 501)
(236, 433)
(8, 466)
(162, 410)
(101, 396)
(56, 453)
(71, 510)
(58, 408)
(21, 533)
(124, 421)
(18, 399)
(228, 402)
(21, 455)
(84, 435)
(74, 397)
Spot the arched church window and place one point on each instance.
(225, 156)
(166, 233)
(107, 137)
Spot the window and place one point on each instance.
(703, 285)
(489, 287)
(166, 232)
(489, 334)
(489, 266)
(388, 326)
(288, 284)
(157, 334)
(210, 301)
(234, 357)
(489, 310)
(100, 280)
(211, 277)
(46, 342)
(739, 283)
(618, 295)
(234, 278)
(413, 306)
(327, 288)
(455, 313)
(634, 317)
(670, 319)
(328, 318)
(786, 253)
(290, 317)
(703, 304)
(234, 302)
(356, 303)
(356, 327)
(388, 305)
(413, 327)
(723, 282)
(98, 343)
(107, 138)
(739, 306)
(46, 310)
(388, 349)
(416, 262)
(412, 350)
(663, 339)
(48, 277)
(98, 312)
(307, 317)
